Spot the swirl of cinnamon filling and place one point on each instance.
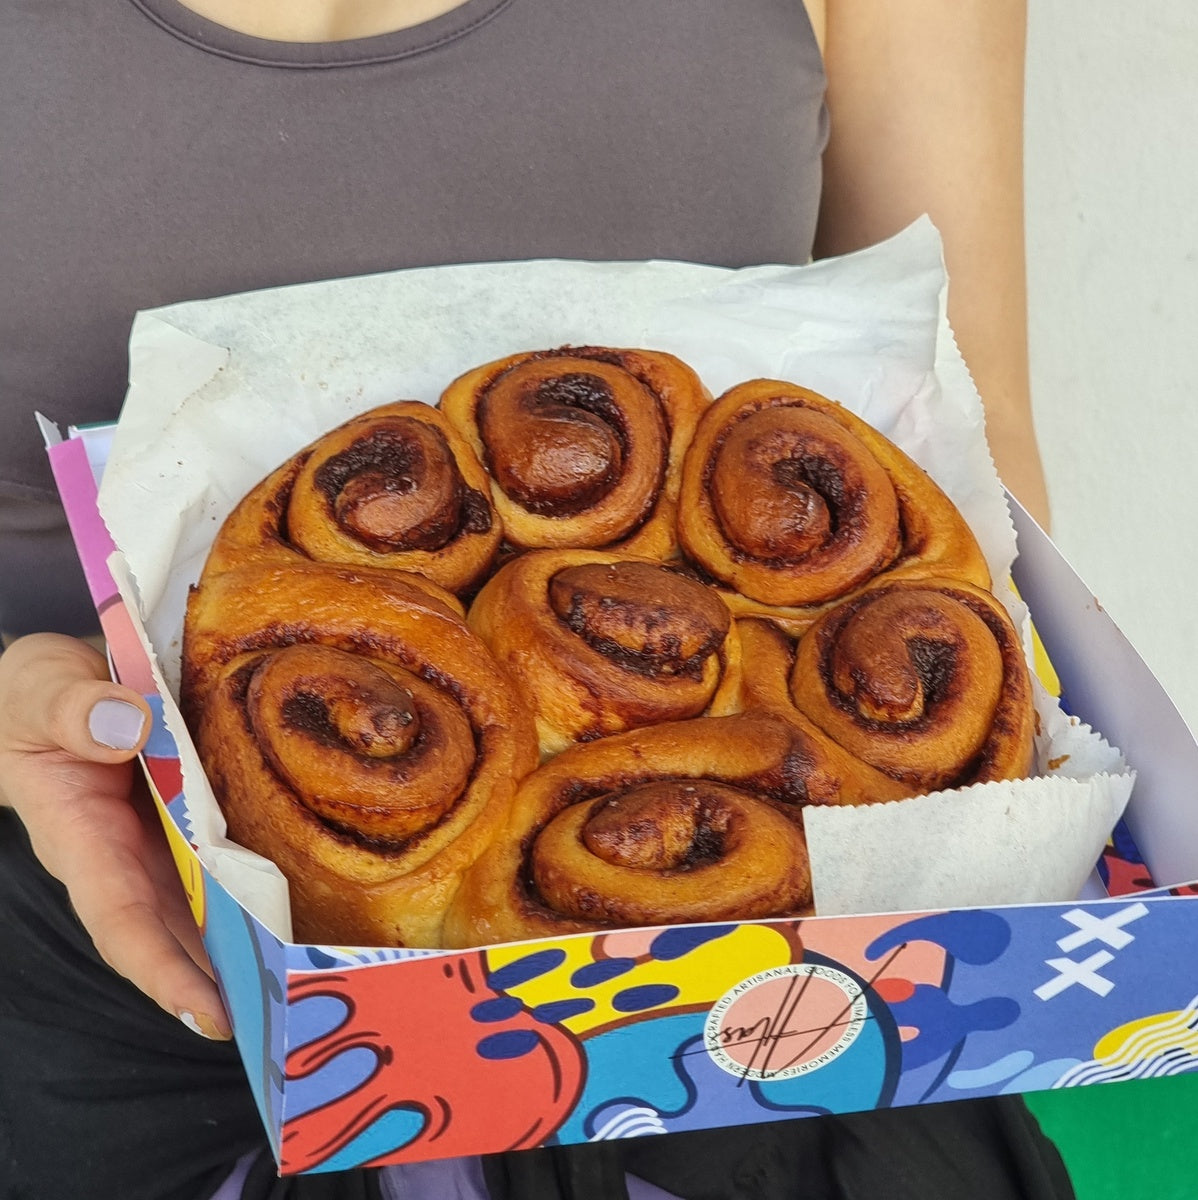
(714, 852)
(793, 502)
(598, 643)
(926, 681)
(768, 658)
(369, 747)
(686, 821)
(584, 444)
(396, 488)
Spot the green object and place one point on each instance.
(1122, 1140)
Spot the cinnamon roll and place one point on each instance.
(686, 821)
(584, 444)
(356, 733)
(597, 643)
(768, 656)
(792, 502)
(925, 680)
(396, 487)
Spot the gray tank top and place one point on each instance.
(149, 156)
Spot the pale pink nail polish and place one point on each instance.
(115, 724)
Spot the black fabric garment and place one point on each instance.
(263, 1183)
(585, 1172)
(103, 1096)
(988, 1149)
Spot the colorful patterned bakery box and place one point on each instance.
(368, 1056)
(364, 1057)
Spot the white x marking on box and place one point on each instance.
(1108, 930)
(1070, 972)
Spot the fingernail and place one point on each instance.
(115, 724)
(204, 1025)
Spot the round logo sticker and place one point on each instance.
(785, 1022)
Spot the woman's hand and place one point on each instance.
(68, 736)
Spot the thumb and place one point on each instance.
(58, 696)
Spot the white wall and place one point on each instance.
(1112, 191)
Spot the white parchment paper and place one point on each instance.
(222, 391)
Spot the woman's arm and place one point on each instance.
(926, 104)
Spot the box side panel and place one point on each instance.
(655, 1031)
(1080, 994)
(76, 484)
(247, 959)
(1106, 682)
